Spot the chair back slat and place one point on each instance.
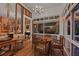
(61, 40)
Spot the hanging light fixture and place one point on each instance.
(38, 10)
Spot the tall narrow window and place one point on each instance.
(68, 29)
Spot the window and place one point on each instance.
(76, 27)
(56, 17)
(68, 29)
(40, 28)
(75, 51)
(41, 18)
(68, 6)
(37, 19)
(35, 28)
(46, 18)
(52, 17)
(52, 28)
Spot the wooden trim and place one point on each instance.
(17, 4)
(23, 12)
(27, 12)
(22, 19)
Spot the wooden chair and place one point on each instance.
(58, 45)
(34, 42)
(41, 47)
(34, 38)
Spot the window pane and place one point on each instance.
(76, 27)
(34, 28)
(75, 51)
(52, 28)
(40, 28)
(68, 29)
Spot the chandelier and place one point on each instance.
(38, 10)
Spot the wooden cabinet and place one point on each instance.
(22, 9)
(27, 13)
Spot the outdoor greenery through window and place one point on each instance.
(47, 28)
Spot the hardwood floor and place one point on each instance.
(27, 50)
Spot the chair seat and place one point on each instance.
(40, 46)
(58, 46)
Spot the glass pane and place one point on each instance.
(76, 34)
(68, 29)
(46, 18)
(77, 38)
(76, 22)
(76, 27)
(41, 18)
(40, 28)
(52, 17)
(75, 51)
(52, 28)
(50, 24)
(34, 28)
(56, 17)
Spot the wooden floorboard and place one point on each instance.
(28, 51)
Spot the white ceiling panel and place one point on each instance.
(51, 9)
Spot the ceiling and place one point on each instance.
(51, 9)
